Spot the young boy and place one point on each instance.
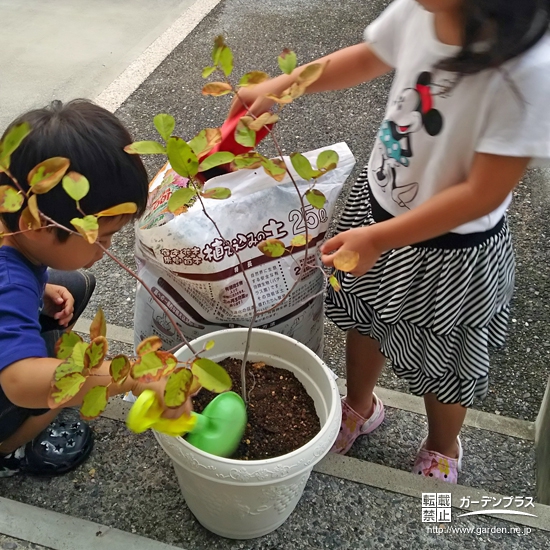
(33, 311)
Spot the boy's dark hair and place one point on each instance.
(495, 31)
(92, 139)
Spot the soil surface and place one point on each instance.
(281, 414)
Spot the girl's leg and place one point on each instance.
(364, 363)
(444, 425)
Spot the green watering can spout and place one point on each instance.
(218, 430)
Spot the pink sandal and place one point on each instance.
(354, 425)
(437, 466)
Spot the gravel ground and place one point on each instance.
(9, 543)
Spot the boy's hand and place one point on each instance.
(158, 387)
(58, 303)
(357, 240)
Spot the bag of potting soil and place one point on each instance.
(196, 275)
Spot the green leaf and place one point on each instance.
(226, 60)
(95, 353)
(211, 376)
(327, 160)
(148, 368)
(67, 367)
(10, 199)
(177, 387)
(217, 89)
(287, 61)
(219, 44)
(299, 240)
(94, 402)
(244, 136)
(145, 148)
(205, 141)
(248, 160)
(272, 248)
(253, 78)
(316, 198)
(99, 325)
(65, 389)
(207, 71)
(47, 174)
(303, 166)
(181, 157)
(209, 345)
(148, 345)
(76, 185)
(180, 198)
(275, 168)
(218, 193)
(222, 157)
(64, 346)
(169, 360)
(87, 227)
(79, 352)
(11, 142)
(120, 368)
(165, 125)
(334, 283)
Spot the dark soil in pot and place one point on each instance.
(281, 414)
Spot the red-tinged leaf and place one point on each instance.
(219, 44)
(316, 198)
(148, 368)
(222, 157)
(327, 160)
(67, 367)
(169, 360)
(94, 402)
(275, 168)
(76, 185)
(283, 99)
(210, 375)
(46, 175)
(250, 160)
(216, 89)
(177, 387)
(145, 148)
(65, 345)
(334, 283)
(11, 142)
(219, 193)
(120, 368)
(272, 248)
(195, 386)
(205, 141)
(99, 325)
(95, 353)
(253, 78)
(346, 260)
(65, 389)
(11, 200)
(123, 209)
(310, 74)
(265, 119)
(182, 158)
(87, 227)
(30, 215)
(181, 197)
(287, 61)
(148, 345)
(165, 125)
(243, 135)
(289, 95)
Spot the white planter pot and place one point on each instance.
(246, 499)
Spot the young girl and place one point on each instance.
(467, 114)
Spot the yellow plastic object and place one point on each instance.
(146, 413)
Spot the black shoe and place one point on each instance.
(61, 447)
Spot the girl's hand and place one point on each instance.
(356, 240)
(254, 98)
(58, 303)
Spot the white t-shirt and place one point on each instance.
(432, 129)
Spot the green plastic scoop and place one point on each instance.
(218, 430)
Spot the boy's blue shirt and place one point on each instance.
(21, 291)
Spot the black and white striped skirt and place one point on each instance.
(435, 307)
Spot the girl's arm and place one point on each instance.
(491, 179)
(346, 68)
